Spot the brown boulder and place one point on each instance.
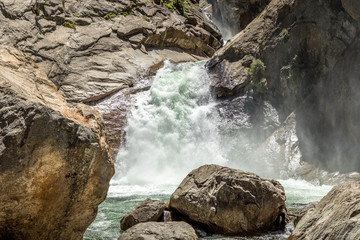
(160, 231)
(336, 216)
(147, 211)
(54, 162)
(229, 201)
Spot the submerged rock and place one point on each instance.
(229, 201)
(336, 216)
(54, 162)
(147, 211)
(160, 231)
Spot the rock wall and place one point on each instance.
(93, 49)
(301, 57)
(55, 165)
(233, 15)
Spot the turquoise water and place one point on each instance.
(172, 129)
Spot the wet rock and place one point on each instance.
(282, 155)
(229, 201)
(308, 208)
(160, 231)
(232, 16)
(336, 216)
(55, 166)
(147, 211)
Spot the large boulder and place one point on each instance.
(147, 211)
(336, 216)
(229, 201)
(54, 162)
(160, 231)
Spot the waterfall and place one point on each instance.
(177, 126)
(171, 129)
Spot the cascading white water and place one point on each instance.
(172, 128)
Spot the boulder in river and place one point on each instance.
(336, 216)
(147, 211)
(229, 201)
(54, 162)
(160, 231)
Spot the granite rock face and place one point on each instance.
(229, 201)
(160, 231)
(55, 166)
(91, 49)
(336, 216)
(301, 57)
(233, 15)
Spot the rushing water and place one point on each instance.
(172, 129)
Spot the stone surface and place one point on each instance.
(336, 216)
(308, 208)
(91, 50)
(160, 231)
(233, 15)
(107, 45)
(309, 50)
(147, 211)
(54, 162)
(229, 201)
(352, 7)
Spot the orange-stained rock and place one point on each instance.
(54, 162)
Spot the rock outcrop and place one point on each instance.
(229, 201)
(232, 15)
(336, 216)
(93, 49)
(301, 57)
(54, 162)
(160, 231)
(147, 211)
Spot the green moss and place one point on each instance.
(146, 18)
(285, 34)
(109, 16)
(256, 74)
(69, 25)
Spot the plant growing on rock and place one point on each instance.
(69, 25)
(256, 74)
(109, 16)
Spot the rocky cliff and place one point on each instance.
(92, 49)
(55, 165)
(301, 57)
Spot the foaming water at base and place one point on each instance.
(123, 197)
(172, 129)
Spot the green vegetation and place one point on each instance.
(181, 5)
(285, 34)
(109, 16)
(69, 25)
(256, 74)
(146, 18)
